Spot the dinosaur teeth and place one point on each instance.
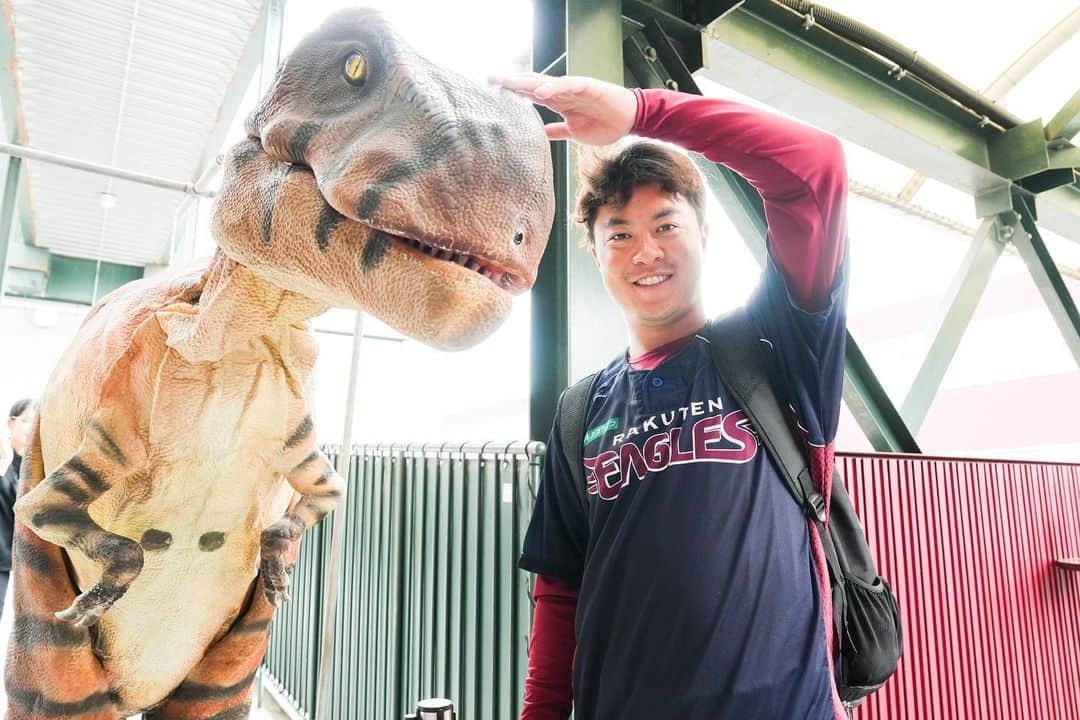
(464, 260)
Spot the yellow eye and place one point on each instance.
(356, 68)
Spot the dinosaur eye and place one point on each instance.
(355, 68)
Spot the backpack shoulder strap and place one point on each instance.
(571, 410)
(744, 367)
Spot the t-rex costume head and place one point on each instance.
(375, 180)
(174, 458)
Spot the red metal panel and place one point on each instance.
(992, 626)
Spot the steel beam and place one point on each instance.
(866, 398)
(576, 327)
(1047, 278)
(963, 296)
(1065, 125)
(9, 115)
(766, 53)
(7, 214)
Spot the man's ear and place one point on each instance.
(592, 251)
(704, 235)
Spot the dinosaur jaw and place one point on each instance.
(457, 261)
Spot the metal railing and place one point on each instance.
(430, 602)
(432, 605)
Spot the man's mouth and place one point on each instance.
(650, 280)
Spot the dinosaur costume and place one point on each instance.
(174, 467)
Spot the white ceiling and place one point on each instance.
(136, 84)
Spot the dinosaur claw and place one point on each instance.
(68, 615)
(91, 605)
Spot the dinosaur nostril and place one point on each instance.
(518, 238)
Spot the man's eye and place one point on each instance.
(667, 227)
(619, 236)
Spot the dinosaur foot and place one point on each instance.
(91, 605)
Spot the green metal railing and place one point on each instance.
(430, 602)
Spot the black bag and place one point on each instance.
(866, 621)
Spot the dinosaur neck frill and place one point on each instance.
(236, 306)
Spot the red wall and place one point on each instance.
(992, 628)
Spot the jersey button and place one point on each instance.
(658, 382)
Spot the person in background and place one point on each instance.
(18, 424)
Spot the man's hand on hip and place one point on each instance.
(595, 112)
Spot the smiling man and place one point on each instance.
(689, 584)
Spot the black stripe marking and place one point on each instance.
(154, 539)
(270, 201)
(39, 705)
(329, 219)
(211, 541)
(375, 249)
(315, 455)
(106, 443)
(56, 515)
(432, 148)
(67, 486)
(33, 632)
(29, 555)
(192, 691)
(297, 147)
(252, 627)
(239, 712)
(91, 477)
(300, 434)
(245, 155)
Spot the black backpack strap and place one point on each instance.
(744, 368)
(572, 407)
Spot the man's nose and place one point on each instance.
(649, 250)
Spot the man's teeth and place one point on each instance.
(652, 280)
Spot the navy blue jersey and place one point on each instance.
(698, 591)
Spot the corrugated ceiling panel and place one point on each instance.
(133, 83)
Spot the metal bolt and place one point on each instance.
(649, 52)
(671, 84)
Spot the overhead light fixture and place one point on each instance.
(108, 200)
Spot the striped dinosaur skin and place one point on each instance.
(173, 467)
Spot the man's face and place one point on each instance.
(650, 253)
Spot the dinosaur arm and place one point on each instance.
(321, 490)
(56, 509)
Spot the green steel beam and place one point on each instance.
(549, 324)
(22, 218)
(863, 393)
(1047, 278)
(874, 411)
(575, 325)
(962, 298)
(1065, 125)
(7, 213)
(762, 50)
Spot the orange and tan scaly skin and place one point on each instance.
(174, 466)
